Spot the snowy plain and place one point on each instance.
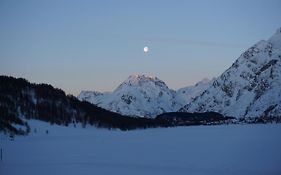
(196, 150)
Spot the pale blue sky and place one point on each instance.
(95, 45)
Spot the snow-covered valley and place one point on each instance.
(212, 150)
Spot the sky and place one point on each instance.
(95, 45)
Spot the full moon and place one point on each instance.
(145, 49)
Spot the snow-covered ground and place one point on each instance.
(210, 150)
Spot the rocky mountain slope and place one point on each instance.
(251, 87)
(187, 94)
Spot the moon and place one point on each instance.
(145, 49)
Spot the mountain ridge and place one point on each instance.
(251, 87)
(142, 95)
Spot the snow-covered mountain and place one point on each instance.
(145, 96)
(251, 87)
(139, 95)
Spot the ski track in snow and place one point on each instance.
(199, 150)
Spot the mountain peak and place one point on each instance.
(138, 95)
(140, 80)
(138, 77)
